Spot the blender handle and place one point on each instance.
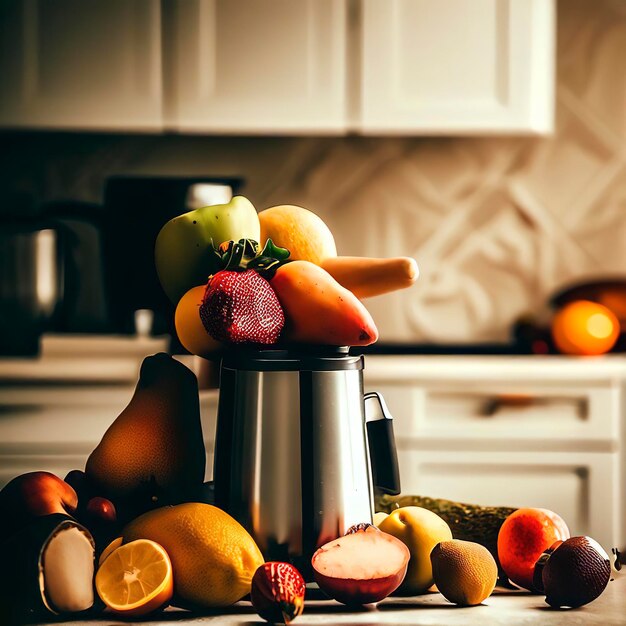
(382, 444)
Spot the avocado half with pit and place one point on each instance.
(47, 567)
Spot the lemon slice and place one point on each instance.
(136, 578)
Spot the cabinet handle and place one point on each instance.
(519, 400)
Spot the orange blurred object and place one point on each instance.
(585, 328)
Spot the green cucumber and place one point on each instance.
(469, 522)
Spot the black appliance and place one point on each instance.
(135, 209)
(50, 275)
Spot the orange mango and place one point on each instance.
(319, 310)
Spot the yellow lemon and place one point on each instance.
(213, 556)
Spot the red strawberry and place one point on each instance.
(277, 592)
(241, 307)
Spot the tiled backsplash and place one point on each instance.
(496, 224)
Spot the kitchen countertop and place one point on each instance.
(110, 359)
(504, 607)
(495, 367)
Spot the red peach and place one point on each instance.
(523, 537)
(33, 495)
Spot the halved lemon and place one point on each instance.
(136, 578)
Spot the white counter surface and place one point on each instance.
(110, 359)
(494, 367)
(504, 607)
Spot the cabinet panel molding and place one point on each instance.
(81, 65)
(581, 487)
(458, 66)
(258, 66)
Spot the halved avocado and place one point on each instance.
(46, 568)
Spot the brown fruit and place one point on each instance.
(464, 572)
(33, 495)
(363, 566)
(277, 592)
(153, 453)
(576, 572)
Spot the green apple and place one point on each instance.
(183, 251)
(420, 530)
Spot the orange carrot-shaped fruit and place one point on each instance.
(366, 277)
(319, 310)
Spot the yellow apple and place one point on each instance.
(420, 530)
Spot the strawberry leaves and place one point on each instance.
(244, 254)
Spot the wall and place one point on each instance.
(496, 224)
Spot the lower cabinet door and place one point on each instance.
(582, 487)
(13, 465)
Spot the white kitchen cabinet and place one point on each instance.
(81, 65)
(457, 66)
(278, 66)
(251, 66)
(55, 427)
(54, 410)
(513, 431)
(580, 486)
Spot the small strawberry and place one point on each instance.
(277, 592)
(241, 307)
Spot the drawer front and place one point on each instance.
(503, 411)
(12, 465)
(581, 487)
(55, 428)
(58, 419)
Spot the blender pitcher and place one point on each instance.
(299, 448)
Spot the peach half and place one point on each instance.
(363, 566)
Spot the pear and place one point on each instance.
(153, 453)
(183, 251)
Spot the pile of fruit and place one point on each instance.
(133, 533)
(60, 541)
(238, 277)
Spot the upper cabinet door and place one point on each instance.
(80, 65)
(256, 66)
(457, 66)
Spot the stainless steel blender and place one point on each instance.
(299, 448)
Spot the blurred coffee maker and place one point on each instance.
(135, 209)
